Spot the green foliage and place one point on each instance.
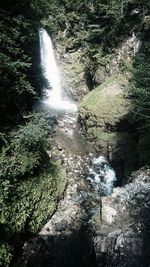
(97, 27)
(33, 9)
(31, 184)
(15, 87)
(27, 205)
(32, 135)
(139, 92)
(25, 151)
(5, 254)
(21, 77)
(18, 163)
(32, 201)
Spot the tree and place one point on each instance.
(140, 97)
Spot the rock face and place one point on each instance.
(80, 72)
(124, 53)
(74, 77)
(123, 238)
(106, 122)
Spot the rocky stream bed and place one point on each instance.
(89, 229)
(65, 240)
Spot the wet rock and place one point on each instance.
(61, 226)
(86, 171)
(60, 148)
(61, 124)
(91, 175)
(97, 170)
(123, 237)
(84, 194)
(77, 171)
(76, 197)
(40, 243)
(72, 68)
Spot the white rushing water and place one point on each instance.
(54, 93)
(102, 176)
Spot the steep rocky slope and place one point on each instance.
(122, 237)
(74, 77)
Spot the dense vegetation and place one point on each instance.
(31, 184)
(139, 93)
(28, 178)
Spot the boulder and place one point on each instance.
(123, 237)
(61, 226)
(105, 117)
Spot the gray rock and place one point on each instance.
(61, 226)
(76, 197)
(123, 238)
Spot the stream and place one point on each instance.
(66, 239)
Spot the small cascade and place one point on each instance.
(101, 176)
(54, 94)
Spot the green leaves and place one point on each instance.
(16, 91)
(25, 151)
(5, 254)
(139, 92)
(33, 134)
(30, 185)
(140, 89)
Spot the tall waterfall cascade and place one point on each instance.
(53, 93)
(100, 175)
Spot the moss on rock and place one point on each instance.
(105, 117)
(107, 102)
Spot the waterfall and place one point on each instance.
(54, 93)
(49, 65)
(101, 175)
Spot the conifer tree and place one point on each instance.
(140, 97)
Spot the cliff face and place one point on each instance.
(74, 76)
(81, 72)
